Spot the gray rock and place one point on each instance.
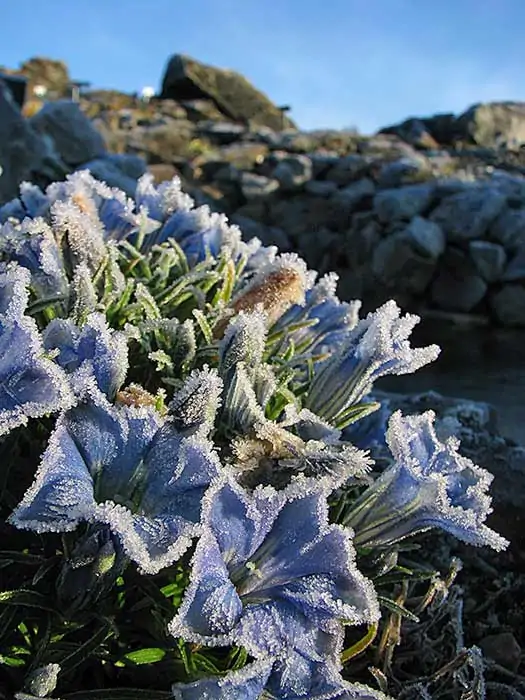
(403, 172)
(403, 203)
(413, 131)
(106, 170)
(397, 265)
(489, 259)
(427, 237)
(348, 169)
(493, 124)
(22, 150)
(320, 188)
(503, 648)
(254, 186)
(360, 242)
(508, 305)
(509, 184)
(468, 214)
(75, 138)
(268, 235)
(508, 228)
(235, 97)
(515, 270)
(317, 245)
(222, 133)
(457, 286)
(352, 195)
(131, 165)
(322, 162)
(293, 172)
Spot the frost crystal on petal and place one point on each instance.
(95, 350)
(275, 557)
(377, 346)
(31, 385)
(429, 485)
(126, 468)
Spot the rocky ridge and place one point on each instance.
(437, 224)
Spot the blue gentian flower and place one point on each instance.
(271, 679)
(377, 346)
(33, 245)
(429, 485)
(31, 384)
(323, 320)
(271, 558)
(127, 468)
(109, 205)
(93, 349)
(245, 684)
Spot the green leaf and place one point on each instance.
(120, 694)
(22, 558)
(204, 326)
(29, 599)
(11, 661)
(148, 655)
(398, 609)
(83, 652)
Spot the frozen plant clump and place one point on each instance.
(190, 505)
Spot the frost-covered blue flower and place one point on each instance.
(270, 679)
(31, 384)
(33, 245)
(429, 485)
(198, 231)
(270, 560)
(320, 324)
(377, 346)
(125, 467)
(94, 349)
(109, 205)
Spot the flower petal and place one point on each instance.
(211, 607)
(244, 684)
(152, 542)
(62, 492)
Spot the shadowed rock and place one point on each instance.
(234, 96)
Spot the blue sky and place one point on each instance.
(338, 63)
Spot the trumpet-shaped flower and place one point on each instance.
(31, 385)
(429, 485)
(376, 347)
(124, 467)
(271, 560)
(93, 349)
(282, 679)
(106, 205)
(33, 245)
(321, 324)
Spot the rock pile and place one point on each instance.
(419, 213)
(54, 142)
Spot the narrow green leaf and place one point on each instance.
(398, 609)
(30, 599)
(146, 656)
(120, 694)
(22, 558)
(83, 652)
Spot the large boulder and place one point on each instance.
(53, 75)
(493, 124)
(73, 135)
(235, 97)
(24, 154)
